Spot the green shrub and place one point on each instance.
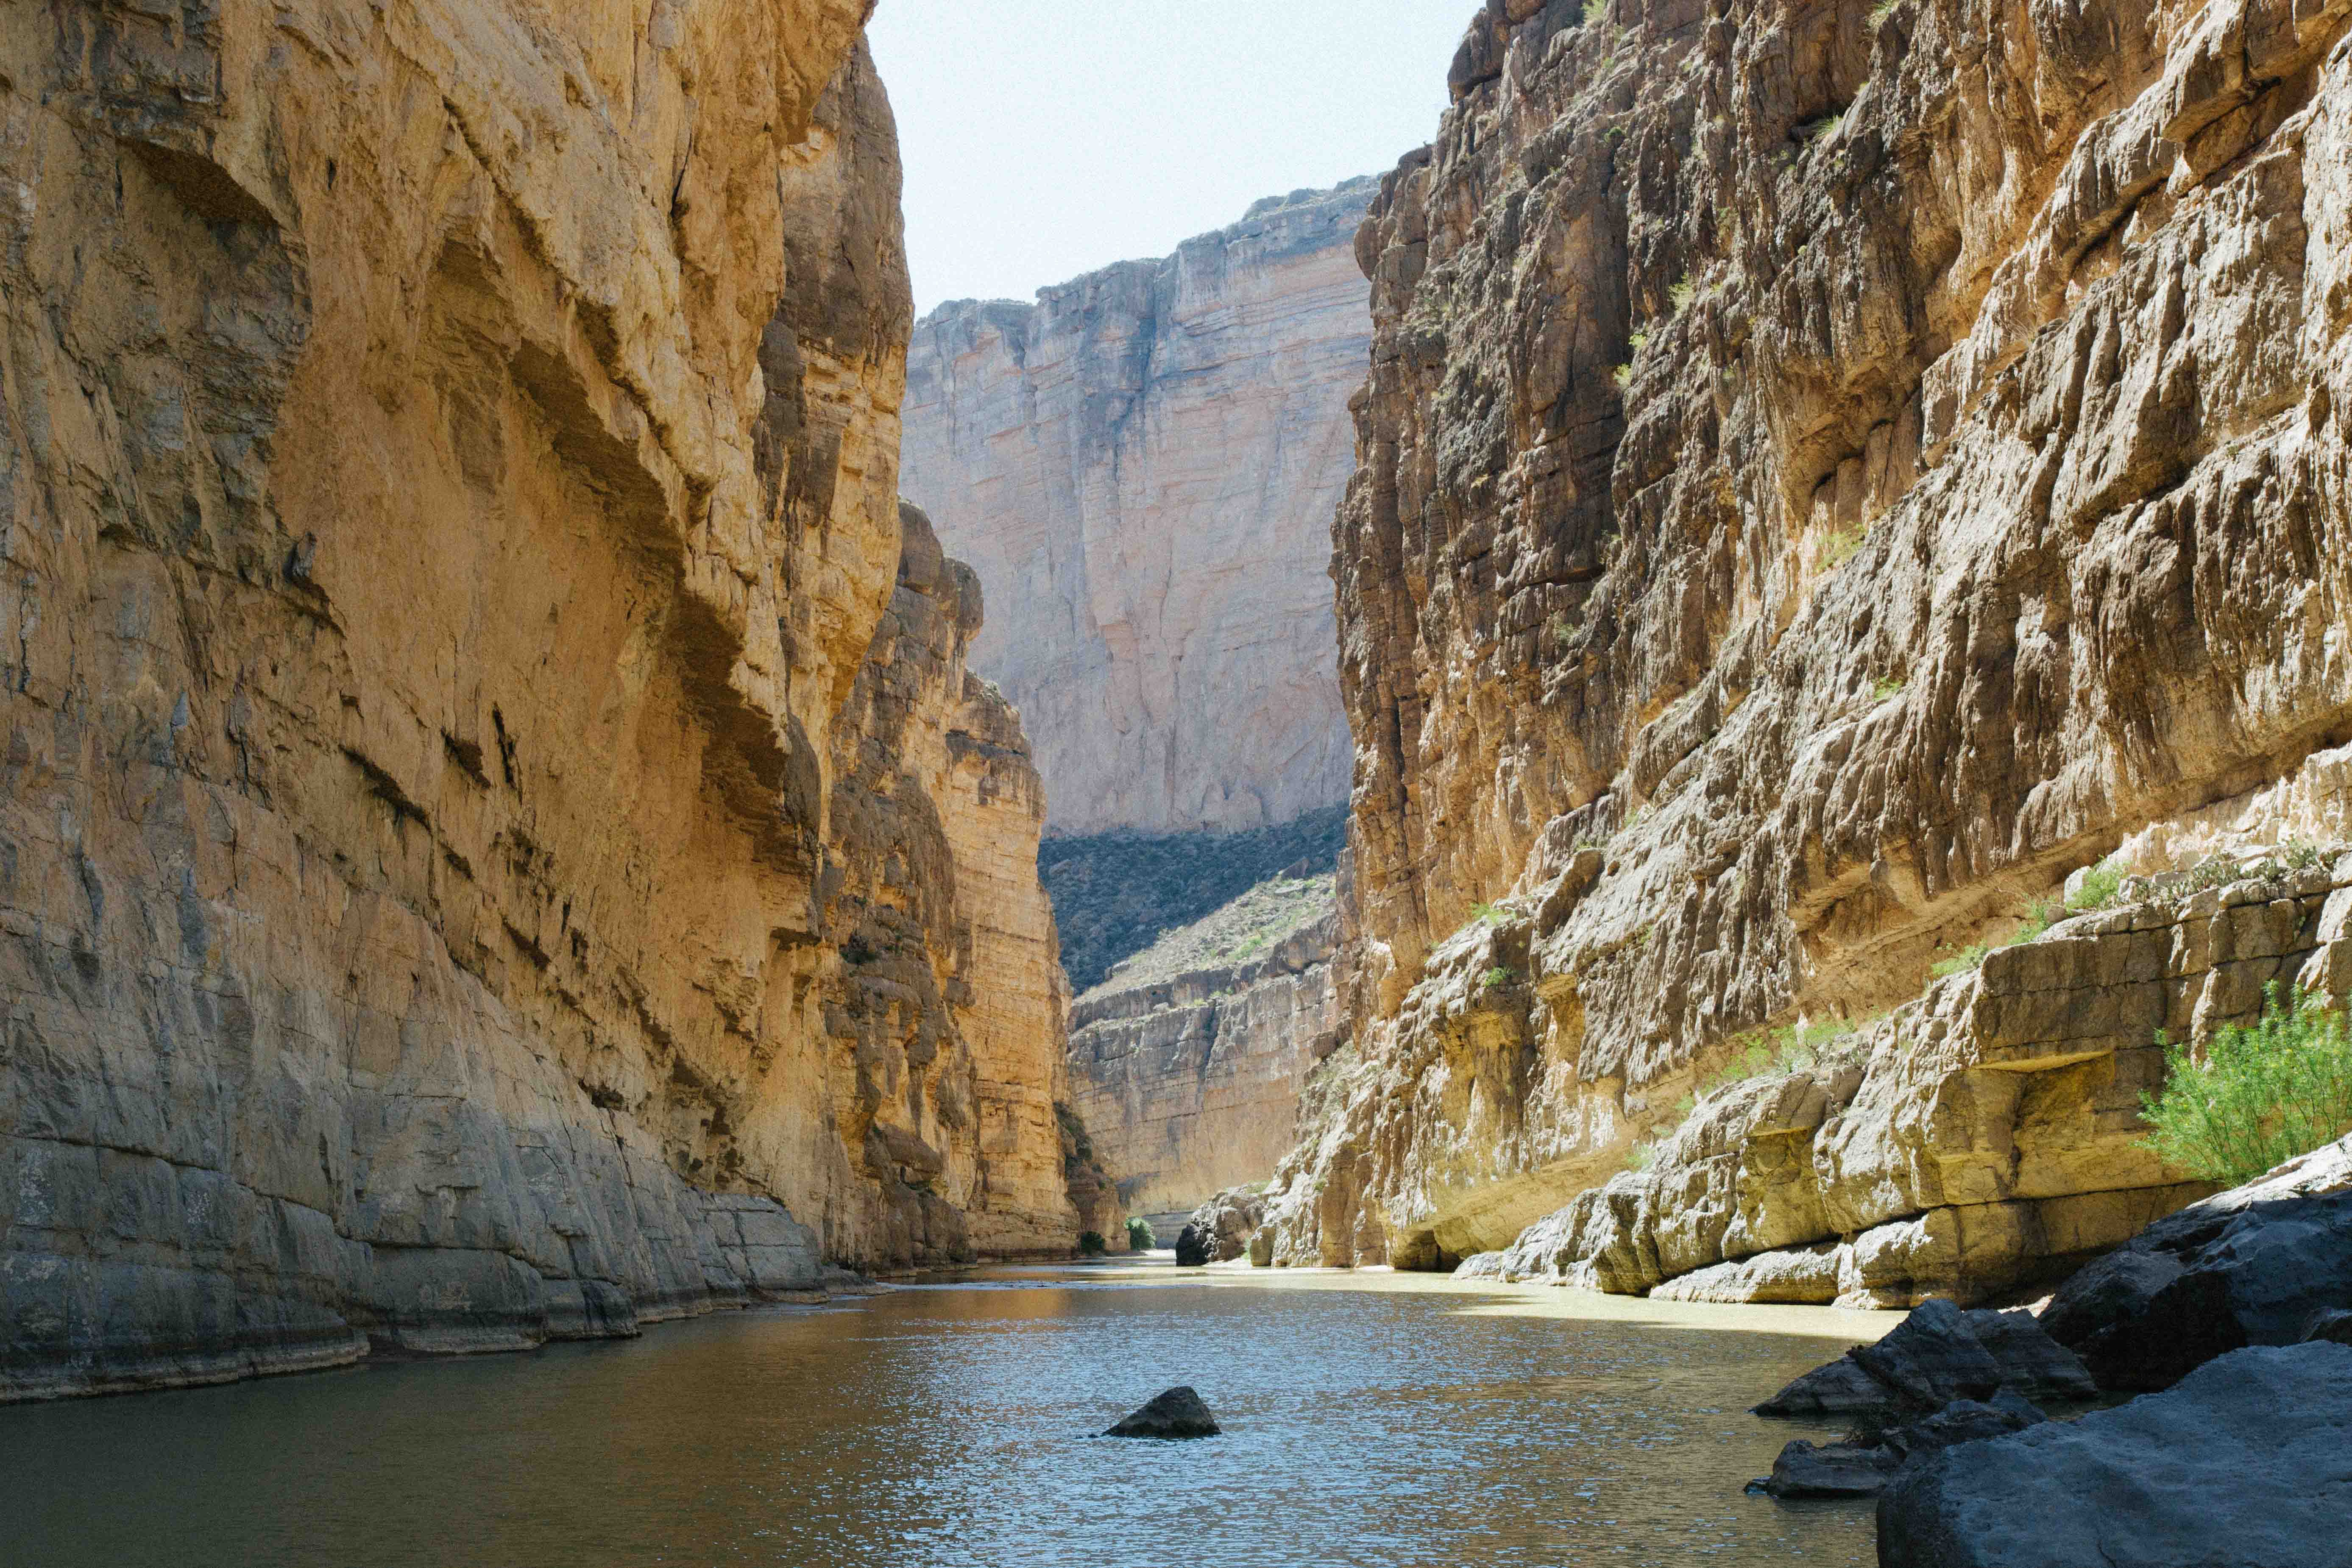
(2037, 922)
(1681, 293)
(1091, 1243)
(1842, 547)
(1887, 687)
(1641, 1155)
(1139, 1235)
(1622, 375)
(2259, 1094)
(2102, 885)
(1498, 977)
(1960, 962)
(1775, 1052)
(1487, 914)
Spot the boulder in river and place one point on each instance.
(1938, 1355)
(1178, 1413)
(1196, 1246)
(1862, 1463)
(2246, 1463)
(2258, 1265)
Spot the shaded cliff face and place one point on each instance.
(1827, 474)
(449, 490)
(1142, 466)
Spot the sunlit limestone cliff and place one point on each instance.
(1829, 474)
(1142, 466)
(498, 841)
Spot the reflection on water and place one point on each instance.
(1370, 1420)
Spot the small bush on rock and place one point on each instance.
(1091, 1243)
(2258, 1094)
(1141, 1237)
(2102, 885)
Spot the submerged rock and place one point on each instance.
(1866, 1461)
(1178, 1413)
(1939, 1354)
(2246, 1464)
(2258, 1265)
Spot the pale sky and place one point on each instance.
(1046, 138)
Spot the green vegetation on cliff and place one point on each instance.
(2258, 1094)
(1113, 894)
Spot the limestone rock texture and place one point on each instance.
(1191, 1084)
(1982, 1139)
(1829, 473)
(1144, 463)
(496, 840)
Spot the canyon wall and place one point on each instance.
(1829, 473)
(497, 841)
(1189, 1074)
(1144, 463)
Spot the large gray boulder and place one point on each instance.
(1938, 1355)
(2247, 1463)
(2259, 1265)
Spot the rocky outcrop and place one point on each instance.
(2244, 1465)
(1981, 1140)
(1144, 463)
(1827, 475)
(2266, 1263)
(1863, 1464)
(1228, 1223)
(1190, 1081)
(1938, 1355)
(496, 840)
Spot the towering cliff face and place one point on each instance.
(1828, 473)
(1143, 466)
(473, 732)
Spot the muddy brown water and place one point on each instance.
(1370, 1419)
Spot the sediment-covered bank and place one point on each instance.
(1827, 475)
(499, 840)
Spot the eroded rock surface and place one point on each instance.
(1980, 1140)
(1827, 474)
(2266, 1263)
(1190, 1081)
(1144, 464)
(496, 840)
(2247, 1464)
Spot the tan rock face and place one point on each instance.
(1824, 477)
(1986, 1139)
(1190, 1085)
(1143, 467)
(459, 806)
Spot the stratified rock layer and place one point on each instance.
(471, 872)
(1144, 464)
(1827, 474)
(1191, 1084)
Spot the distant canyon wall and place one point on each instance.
(1828, 473)
(1191, 1084)
(1142, 466)
(498, 841)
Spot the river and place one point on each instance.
(1371, 1418)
